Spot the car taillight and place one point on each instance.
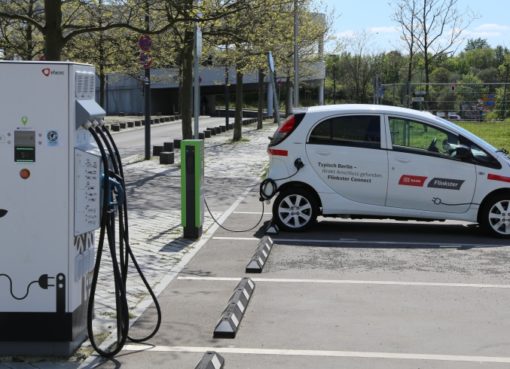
(288, 126)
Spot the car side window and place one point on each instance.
(411, 136)
(350, 130)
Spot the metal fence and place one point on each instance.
(469, 101)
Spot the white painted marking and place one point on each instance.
(365, 242)
(216, 362)
(348, 281)
(246, 294)
(240, 306)
(252, 213)
(236, 238)
(323, 353)
(234, 320)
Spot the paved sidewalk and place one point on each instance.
(153, 191)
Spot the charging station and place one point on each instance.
(50, 200)
(192, 195)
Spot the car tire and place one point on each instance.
(295, 209)
(495, 215)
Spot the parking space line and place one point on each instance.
(346, 282)
(320, 353)
(351, 241)
(236, 238)
(251, 213)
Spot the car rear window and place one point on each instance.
(351, 130)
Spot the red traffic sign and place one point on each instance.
(145, 42)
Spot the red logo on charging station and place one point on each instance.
(408, 180)
(49, 72)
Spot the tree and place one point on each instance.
(59, 21)
(476, 43)
(405, 16)
(21, 38)
(437, 28)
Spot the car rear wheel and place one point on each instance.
(495, 215)
(295, 209)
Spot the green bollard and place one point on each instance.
(192, 197)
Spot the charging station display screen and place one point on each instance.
(24, 146)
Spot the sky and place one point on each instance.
(374, 17)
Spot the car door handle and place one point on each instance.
(402, 160)
(323, 153)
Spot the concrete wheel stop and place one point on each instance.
(233, 314)
(259, 259)
(211, 360)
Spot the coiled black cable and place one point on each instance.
(269, 181)
(120, 268)
(123, 214)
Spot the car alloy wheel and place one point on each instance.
(496, 216)
(295, 210)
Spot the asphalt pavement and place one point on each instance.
(345, 294)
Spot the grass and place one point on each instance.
(495, 133)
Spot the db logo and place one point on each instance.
(409, 180)
(46, 72)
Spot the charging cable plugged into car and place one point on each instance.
(269, 187)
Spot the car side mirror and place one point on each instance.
(463, 153)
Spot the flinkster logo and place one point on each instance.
(49, 72)
(3, 212)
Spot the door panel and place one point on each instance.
(430, 183)
(422, 173)
(345, 152)
(358, 174)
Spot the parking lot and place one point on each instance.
(345, 294)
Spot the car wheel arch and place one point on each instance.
(304, 186)
(489, 197)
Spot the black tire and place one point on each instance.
(495, 215)
(295, 209)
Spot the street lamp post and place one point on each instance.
(227, 91)
(147, 94)
(296, 56)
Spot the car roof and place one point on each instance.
(367, 108)
(396, 110)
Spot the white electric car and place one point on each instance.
(384, 162)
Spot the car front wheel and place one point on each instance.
(495, 216)
(295, 210)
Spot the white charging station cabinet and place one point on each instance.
(50, 194)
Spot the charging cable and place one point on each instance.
(298, 163)
(265, 193)
(114, 200)
(234, 230)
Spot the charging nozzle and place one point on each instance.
(298, 163)
(87, 125)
